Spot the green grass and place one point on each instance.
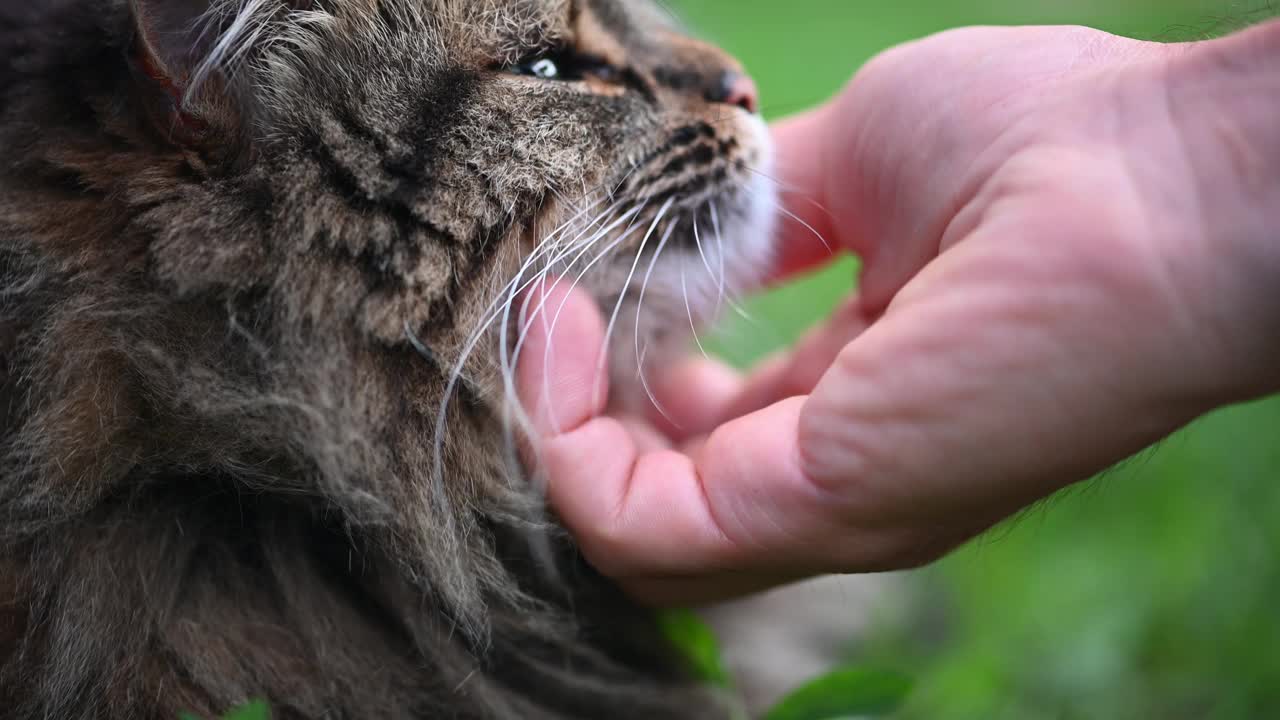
(256, 710)
(1146, 594)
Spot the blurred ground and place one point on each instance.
(1149, 593)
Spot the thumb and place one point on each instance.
(560, 378)
(809, 233)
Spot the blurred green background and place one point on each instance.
(1151, 592)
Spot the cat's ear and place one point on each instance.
(180, 48)
(172, 36)
(173, 39)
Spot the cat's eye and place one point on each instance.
(544, 68)
(565, 65)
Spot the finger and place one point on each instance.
(558, 376)
(694, 397)
(808, 232)
(646, 437)
(741, 504)
(702, 393)
(798, 371)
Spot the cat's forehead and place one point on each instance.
(630, 17)
(632, 23)
(620, 15)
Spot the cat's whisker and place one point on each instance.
(564, 199)
(688, 308)
(551, 245)
(559, 254)
(774, 109)
(724, 275)
(671, 12)
(715, 227)
(545, 385)
(550, 330)
(732, 302)
(556, 242)
(513, 411)
(598, 222)
(644, 385)
(583, 249)
(456, 373)
(560, 244)
(617, 308)
(509, 291)
(634, 166)
(718, 280)
(644, 286)
(782, 209)
(781, 186)
(742, 312)
(599, 256)
(512, 408)
(548, 247)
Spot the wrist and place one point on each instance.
(1223, 100)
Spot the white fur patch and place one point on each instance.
(692, 284)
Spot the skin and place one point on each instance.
(1070, 252)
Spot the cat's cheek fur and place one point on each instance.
(693, 285)
(750, 234)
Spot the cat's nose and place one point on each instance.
(738, 89)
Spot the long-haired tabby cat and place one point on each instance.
(257, 265)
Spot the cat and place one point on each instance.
(260, 263)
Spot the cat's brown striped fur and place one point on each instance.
(243, 246)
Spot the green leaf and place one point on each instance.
(698, 643)
(845, 693)
(256, 710)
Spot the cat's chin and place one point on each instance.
(692, 285)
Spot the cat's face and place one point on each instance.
(435, 157)
(337, 202)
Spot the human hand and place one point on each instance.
(1066, 251)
